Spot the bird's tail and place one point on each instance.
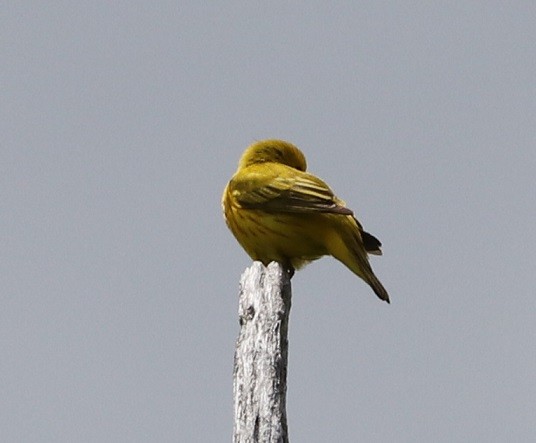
(352, 253)
(377, 287)
(360, 265)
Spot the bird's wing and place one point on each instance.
(283, 189)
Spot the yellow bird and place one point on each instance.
(278, 212)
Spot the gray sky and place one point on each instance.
(121, 123)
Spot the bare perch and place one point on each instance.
(261, 356)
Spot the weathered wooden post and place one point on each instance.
(261, 356)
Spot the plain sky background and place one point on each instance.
(121, 122)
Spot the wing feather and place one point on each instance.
(286, 191)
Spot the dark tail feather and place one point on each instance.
(372, 244)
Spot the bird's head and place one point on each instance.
(273, 151)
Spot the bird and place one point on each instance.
(279, 212)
